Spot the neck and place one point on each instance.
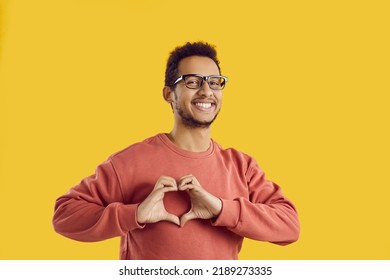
(191, 139)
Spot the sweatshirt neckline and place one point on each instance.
(195, 155)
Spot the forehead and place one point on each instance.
(198, 65)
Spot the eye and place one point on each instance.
(193, 81)
(215, 82)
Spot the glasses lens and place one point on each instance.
(196, 82)
(217, 82)
(193, 82)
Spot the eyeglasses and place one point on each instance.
(195, 81)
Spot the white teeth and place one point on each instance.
(204, 105)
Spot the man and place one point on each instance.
(180, 195)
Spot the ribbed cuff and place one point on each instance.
(229, 215)
(127, 215)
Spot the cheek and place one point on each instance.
(185, 100)
(182, 104)
(219, 98)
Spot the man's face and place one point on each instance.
(197, 107)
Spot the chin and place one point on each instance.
(191, 121)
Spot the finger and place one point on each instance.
(168, 189)
(165, 181)
(185, 177)
(185, 180)
(187, 217)
(189, 186)
(173, 219)
(189, 179)
(195, 181)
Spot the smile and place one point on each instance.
(203, 105)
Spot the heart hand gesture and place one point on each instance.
(203, 204)
(152, 209)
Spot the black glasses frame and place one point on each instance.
(204, 78)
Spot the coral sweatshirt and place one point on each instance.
(104, 205)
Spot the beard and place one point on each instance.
(191, 122)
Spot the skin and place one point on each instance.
(185, 102)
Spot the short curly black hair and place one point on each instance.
(189, 49)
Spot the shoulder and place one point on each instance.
(231, 152)
(240, 161)
(144, 147)
(235, 156)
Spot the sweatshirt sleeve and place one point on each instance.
(265, 215)
(94, 209)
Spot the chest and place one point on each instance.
(222, 179)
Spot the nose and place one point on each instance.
(205, 90)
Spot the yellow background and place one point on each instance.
(308, 97)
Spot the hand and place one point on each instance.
(203, 204)
(152, 209)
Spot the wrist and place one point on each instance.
(218, 207)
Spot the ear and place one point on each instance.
(168, 94)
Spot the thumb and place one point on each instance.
(172, 218)
(187, 217)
